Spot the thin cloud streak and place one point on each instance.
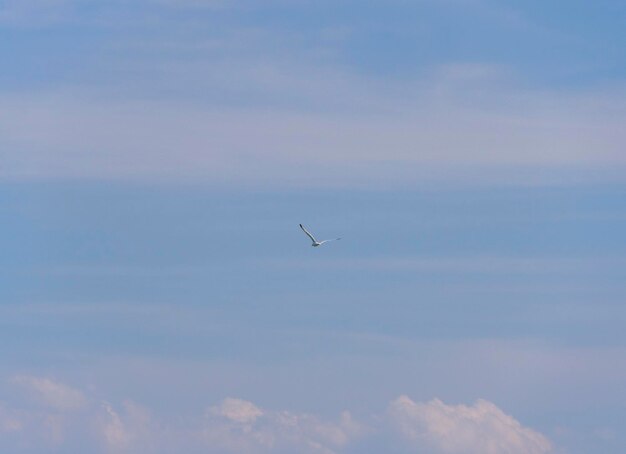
(53, 137)
(480, 264)
(472, 264)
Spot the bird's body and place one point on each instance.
(316, 243)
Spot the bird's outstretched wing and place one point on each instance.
(308, 234)
(326, 241)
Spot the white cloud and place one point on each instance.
(238, 426)
(51, 393)
(128, 431)
(237, 410)
(113, 430)
(479, 429)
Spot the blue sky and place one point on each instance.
(157, 156)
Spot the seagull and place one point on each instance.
(315, 242)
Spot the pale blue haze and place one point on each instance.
(156, 158)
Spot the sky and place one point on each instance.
(156, 293)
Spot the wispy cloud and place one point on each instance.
(61, 137)
(9, 421)
(235, 99)
(129, 429)
(52, 393)
(240, 426)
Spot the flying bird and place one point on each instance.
(315, 242)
